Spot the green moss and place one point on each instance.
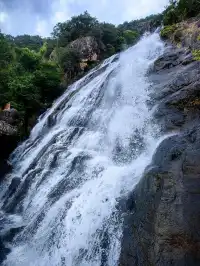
(196, 54)
(198, 38)
(167, 31)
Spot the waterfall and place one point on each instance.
(85, 154)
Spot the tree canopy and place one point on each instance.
(27, 80)
(86, 25)
(178, 10)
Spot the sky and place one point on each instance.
(40, 16)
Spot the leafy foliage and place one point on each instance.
(130, 36)
(167, 31)
(6, 54)
(142, 25)
(27, 80)
(69, 61)
(114, 39)
(179, 10)
(78, 26)
(31, 42)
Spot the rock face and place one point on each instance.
(163, 212)
(8, 137)
(87, 47)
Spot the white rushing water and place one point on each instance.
(84, 155)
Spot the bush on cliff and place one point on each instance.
(167, 31)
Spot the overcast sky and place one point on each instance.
(39, 16)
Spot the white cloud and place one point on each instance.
(26, 19)
(143, 8)
(41, 27)
(3, 17)
(60, 11)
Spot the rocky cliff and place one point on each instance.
(162, 215)
(88, 48)
(184, 34)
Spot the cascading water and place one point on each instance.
(84, 155)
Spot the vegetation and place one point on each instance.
(27, 79)
(167, 31)
(130, 36)
(179, 10)
(113, 39)
(31, 42)
(141, 25)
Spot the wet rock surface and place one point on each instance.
(161, 224)
(9, 120)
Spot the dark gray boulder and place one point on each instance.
(162, 228)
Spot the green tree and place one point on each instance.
(130, 36)
(27, 79)
(189, 8)
(51, 45)
(6, 52)
(180, 10)
(110, 50)
(28, 59)
(47, 78)
(171, 14)
(109, 33)
(141, 25)
(69, 61)
(6, 58)
(28, 41)
(78, 26)
(120, 44)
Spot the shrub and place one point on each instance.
(167, 31)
